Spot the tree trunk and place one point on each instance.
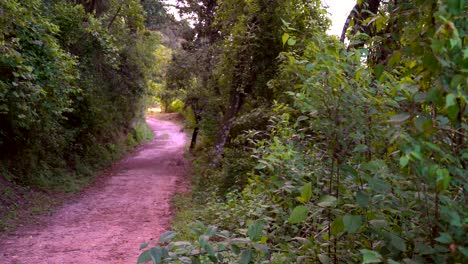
(360, 13)
(193, 142)
(98, 6)
(236, 100)
(114, 17)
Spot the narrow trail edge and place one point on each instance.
(108, 222)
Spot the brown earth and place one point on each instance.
(108, 222)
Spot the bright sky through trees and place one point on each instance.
(338, 10)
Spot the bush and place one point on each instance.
(176, 106)
(71, 87)
(367, 161)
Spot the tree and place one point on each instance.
(191, 72)
(91, 6)
(359, 17)
(250, 53)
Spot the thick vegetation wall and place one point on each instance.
(320, 151)
(72, 81)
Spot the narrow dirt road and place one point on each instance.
(107, 223)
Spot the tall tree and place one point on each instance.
(251, 52)
(362, 11)
(98, 6)
(192, 69)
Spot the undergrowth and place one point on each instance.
(364, 157)
(20, 204)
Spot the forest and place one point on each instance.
(74, 84)
(305, 147)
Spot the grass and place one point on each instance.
(191, 207)
(187, 212)
(20, 205)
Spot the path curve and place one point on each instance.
(108, 222)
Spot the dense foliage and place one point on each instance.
(332, 152)
(73, 76)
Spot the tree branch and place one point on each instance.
(346, 25)
(115, 16)
(359, 15)
(453, 131)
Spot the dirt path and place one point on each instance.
(107, 223)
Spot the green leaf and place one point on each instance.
(399, 118)
(456, 81)
(453, 216)
(455, 6)
(196, 260)
(144, 245)
(450, 100)
(291, 41)
(299, 214)
(370, 256)
(286, 24)
(306, 192)
(444, 238)
(167, 236)
(246, 256)
(443, 179)
(255, 230)
(202, 240)
(156, 255)
(452, 112)
(423, 249)
(358, 74)
(395, 59)
(144, 257)
(397, 242)
(260, 166)
(378, 70)
(463, 250)
(324, 259)
(285, 38)
(182, 243)
(424, 124)
(310, 66)
(360, 148)
(430, 62)
(327, 201)
(362, 199)
(404, 160)
(337, 226)
(235, 249)
(417, 154)
(379, 185)
(352, 223)
(213, 259)
(209, 249)
(379, 223)
(452, 106)
(210, 231)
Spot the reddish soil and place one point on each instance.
(108, 222)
